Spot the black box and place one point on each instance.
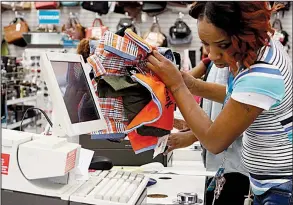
(122, 154)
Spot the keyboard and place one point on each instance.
(111, 188)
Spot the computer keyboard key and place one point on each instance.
(139, 177)
(112, 174)
(121, 191)
(103, 174)
(105, 189)
(96, 173)
(87, 187)
(129, 192)
(100, 186)
(132, 176)
(126, 175)
(113, 189)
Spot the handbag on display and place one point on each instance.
(47, 28)
(46, 4)
(16, 5)
(154, 36)
(74, 29)
(13, 32)
(96, 31)
(132, 8)
(69, 3)
(100, 7)
(154, 8)
(125, 23)
(180, 33)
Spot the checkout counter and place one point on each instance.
(184, 177)
(42, 169)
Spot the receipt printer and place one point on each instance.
(122, 153)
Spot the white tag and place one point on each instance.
(85, 158)
(18, 27)
(161, 145)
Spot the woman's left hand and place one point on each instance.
(165, 69)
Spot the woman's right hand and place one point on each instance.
(180, 140)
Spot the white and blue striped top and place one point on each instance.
(267, 143)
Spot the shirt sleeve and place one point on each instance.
(261, 86)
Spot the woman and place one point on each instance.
(235, 173)
(258, 101)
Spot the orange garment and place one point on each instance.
(159, 112)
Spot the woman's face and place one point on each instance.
(215, 41)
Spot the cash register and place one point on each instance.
(40, 169)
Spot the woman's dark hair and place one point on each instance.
(246, 22)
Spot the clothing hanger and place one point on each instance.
(97, 16)
(155, 26)
(19, 15)
(180, 16)
(277, 20)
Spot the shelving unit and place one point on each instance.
(21, 100)
(17, 124)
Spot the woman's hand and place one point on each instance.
(166, 70)
(189, 80)
(180, 140)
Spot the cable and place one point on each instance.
(34, 108)
(19, 164)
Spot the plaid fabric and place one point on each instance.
(97, 66)
(113, 64)
(129, 34)
(113, 126)
(113, 108)
(121, 46)
(113, 53)
(113, 112)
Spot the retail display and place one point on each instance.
(100, 7)
(180, 33)
(69, 3)
(129, 8)
(47, 5)
(73, 28)
(125, 23)
(154, 8)
(154, 36)
(13, 32)
(96, 31)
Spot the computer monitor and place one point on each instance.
(75, 105)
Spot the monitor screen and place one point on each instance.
(76, 92)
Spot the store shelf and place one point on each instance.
(46, 46)
(21, 100)
(17, 124)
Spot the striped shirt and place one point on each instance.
(267, 143)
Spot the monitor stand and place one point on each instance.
(57, 130)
